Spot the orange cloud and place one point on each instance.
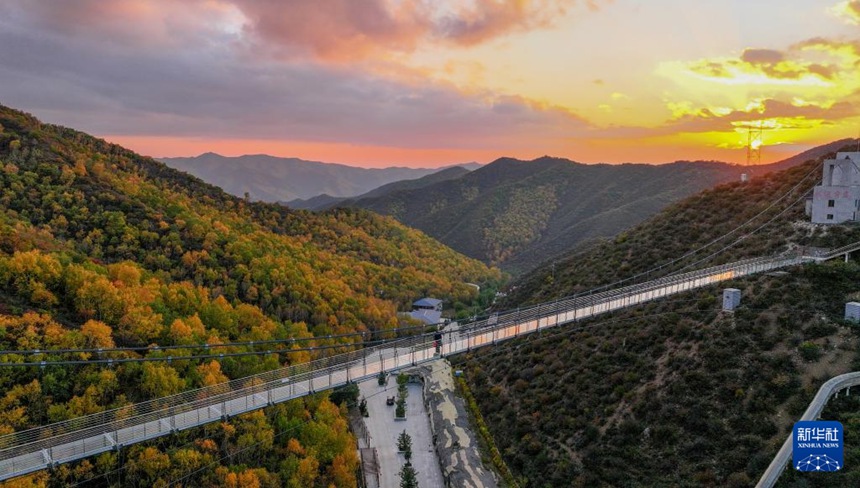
(848, 10)
(349, 29)
(811, 83)
(763, 66)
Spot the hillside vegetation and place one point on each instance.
(518, 214)
(674, 393)
(100, 247)
(726, 216)
(339, 269)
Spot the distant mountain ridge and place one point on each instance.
(273, 179)
(519, 213)
(322, 202)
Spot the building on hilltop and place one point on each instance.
(427, 310)
(837, 198)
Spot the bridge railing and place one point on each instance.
(81, 430)
(813, 412)
(111, 421)
(682, 281)
(855, 246)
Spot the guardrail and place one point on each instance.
(854, 246)
(813, 411)
(43, 447)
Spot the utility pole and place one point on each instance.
(755, 142)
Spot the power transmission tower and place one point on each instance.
(754, 143)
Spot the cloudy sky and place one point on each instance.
(434, 82)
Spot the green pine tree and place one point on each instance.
(408, 477)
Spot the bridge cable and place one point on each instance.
(648, 272)
(215, 345)
(403, 329)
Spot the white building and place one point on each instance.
(837, 198)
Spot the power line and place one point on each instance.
(412, 328)
(532, 338)
(741, 238)
(144, 349)
(113, 361)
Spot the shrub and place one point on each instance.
(809, 351)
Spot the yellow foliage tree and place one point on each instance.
(97, 334)
(125, 273)
(210, 374)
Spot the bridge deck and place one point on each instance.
(43, 447)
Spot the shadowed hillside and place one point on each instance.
(518, 214)
(675, 392)
(322, 202)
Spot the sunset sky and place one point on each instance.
(435, 82)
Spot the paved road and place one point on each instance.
(384, 431)
(813, 412)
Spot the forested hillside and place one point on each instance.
(726, 217)
(675, 393)
(100, 247)
(518, 214)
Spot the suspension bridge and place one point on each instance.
(47, 446)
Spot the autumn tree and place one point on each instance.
(159, 380)
(97, 334)
(146, 464)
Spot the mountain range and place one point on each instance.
(273, 179)
(517, 214)
(511, 213)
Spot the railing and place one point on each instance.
(38, 448)
(813, 411)
(854, 246)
